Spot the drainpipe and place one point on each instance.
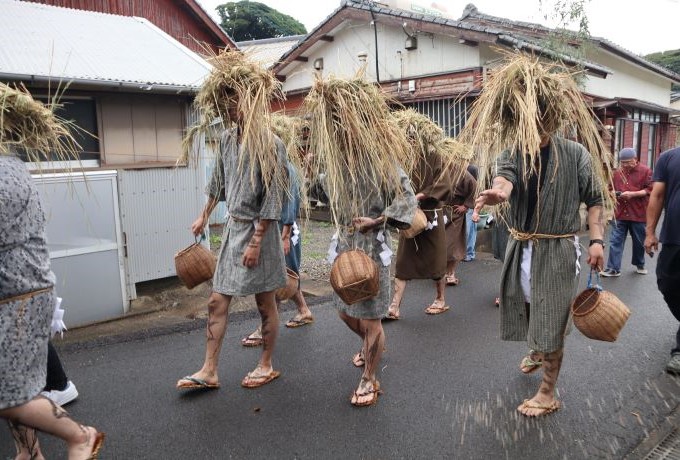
(375, 35)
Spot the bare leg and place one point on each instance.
(399, 287)
(303, 315)
(544, 400)
(302, 308)
(26, 442)
(266, 305)
(451, 272)
(42, 414)
(374, 343)
(218, 309)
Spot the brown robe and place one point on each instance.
(424, 257)
(456, 238)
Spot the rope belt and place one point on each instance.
(534, 237)
(238, 219)
(25, 296)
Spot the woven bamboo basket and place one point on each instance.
(195, 265)
(599, 314)
(292, 284)
(355, 277)
(418, 225)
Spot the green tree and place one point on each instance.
(567, 14)
(247, 20)
(668, 59)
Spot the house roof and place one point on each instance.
(533, 33)
(203, 16)
(466, 29)
(269, 50)
(628, 103)
(41, 43)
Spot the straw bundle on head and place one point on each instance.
(236, 80)
(525, 100)
(456, 157)
(31, 127)
(354, 141)
(291, 131)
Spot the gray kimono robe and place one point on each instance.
(569, 181)
(398, 212)
(247, 203)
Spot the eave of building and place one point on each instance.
(468, 32)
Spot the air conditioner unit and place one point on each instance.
(411, 42)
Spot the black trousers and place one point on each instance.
(56, 377)
(668, 281)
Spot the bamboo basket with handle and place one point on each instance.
(195, 264)
(355, 277)
(599, 314)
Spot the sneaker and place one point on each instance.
(673, 366)
(609, 273)
(641, 271)
(63, 397)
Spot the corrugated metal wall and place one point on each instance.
(157, 207)
(450, 114)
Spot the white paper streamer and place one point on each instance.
(296, 234)
(434, 223)
(58, 326)
(577, 245)
(333, 249)
(386, 253)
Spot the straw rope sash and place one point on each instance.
(534, 237)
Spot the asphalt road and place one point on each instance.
(451, 387)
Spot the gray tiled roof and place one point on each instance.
(41, 41)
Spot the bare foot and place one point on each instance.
(358, 359)
(254, 339)
(367, 393)
(89, 446)
(393, 311)
(539, 405)
(437, 307)
(200, 379)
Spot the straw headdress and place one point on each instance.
(523, 100)
(237, 79)
(32, 127)
(354, 141)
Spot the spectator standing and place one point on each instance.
(666, 196)
(470, 253)
(633, 184)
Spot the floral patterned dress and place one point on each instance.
(24, 269)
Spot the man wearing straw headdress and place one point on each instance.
(358, 152)
(249, 175)
(27, 297)
(543, 178)
(423, 256)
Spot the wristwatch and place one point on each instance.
(598, 241)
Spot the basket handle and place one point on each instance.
(598, 284)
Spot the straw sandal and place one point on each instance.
(255, 380)
(374, 393)
(191, 383)
(253, 340)
(451, 280)
(97, 445)
(436, 309)
(298, 321)
(547, 409)
(529, 365)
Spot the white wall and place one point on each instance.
(627, 80)
(434, 54)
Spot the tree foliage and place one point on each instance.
(668, 59)
(246, 20)
(567, 14)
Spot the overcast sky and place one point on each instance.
(642, 27)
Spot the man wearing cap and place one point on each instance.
(633, 184)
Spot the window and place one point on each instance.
(652, 146)
(81, 114)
